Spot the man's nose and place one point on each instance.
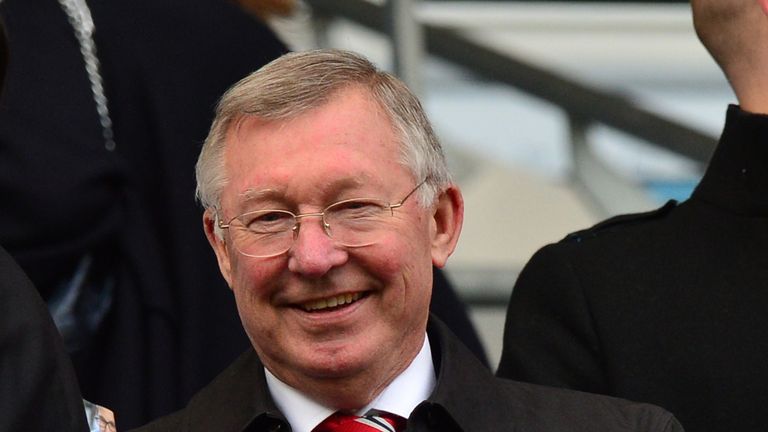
(314, 253)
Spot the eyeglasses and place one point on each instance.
(354, 222)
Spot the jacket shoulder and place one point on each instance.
(550, 408)
(237, 397)
(624, 220)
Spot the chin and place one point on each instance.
(338, 365)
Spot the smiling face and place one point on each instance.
(341, 355)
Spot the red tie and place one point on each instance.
(378, 422)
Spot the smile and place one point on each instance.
(331, 302)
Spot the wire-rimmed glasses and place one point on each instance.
(353, 223)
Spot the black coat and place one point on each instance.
(38, 389)
(467, 397)
(667, 307)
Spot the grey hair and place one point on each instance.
(298, 82)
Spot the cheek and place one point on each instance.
(402, 259)
(252, 279)
(414, 245)
(253, 290)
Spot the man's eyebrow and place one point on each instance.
(254, 194)
(250, 194)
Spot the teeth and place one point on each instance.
(330, 302)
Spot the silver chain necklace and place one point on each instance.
(81, 20)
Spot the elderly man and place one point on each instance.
(669, 307)
(327, 202)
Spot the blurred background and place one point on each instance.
(554, 114)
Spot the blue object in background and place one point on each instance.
(663, 191)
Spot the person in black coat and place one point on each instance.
(668, 307)
(328, 203)
(38, 387)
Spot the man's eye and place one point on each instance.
(261, 221)
(358, 209)
(272, 217)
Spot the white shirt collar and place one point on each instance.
(400, 397)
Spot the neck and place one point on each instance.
(348, 395)
(755, 102)
(751, 87)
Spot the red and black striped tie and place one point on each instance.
(378, 422)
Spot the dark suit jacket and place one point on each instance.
(467, 397)
(667, 307)
(38, 389)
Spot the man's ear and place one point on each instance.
(218, 245)
(446, 224)
(764, 5)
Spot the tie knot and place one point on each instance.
(374, 421)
